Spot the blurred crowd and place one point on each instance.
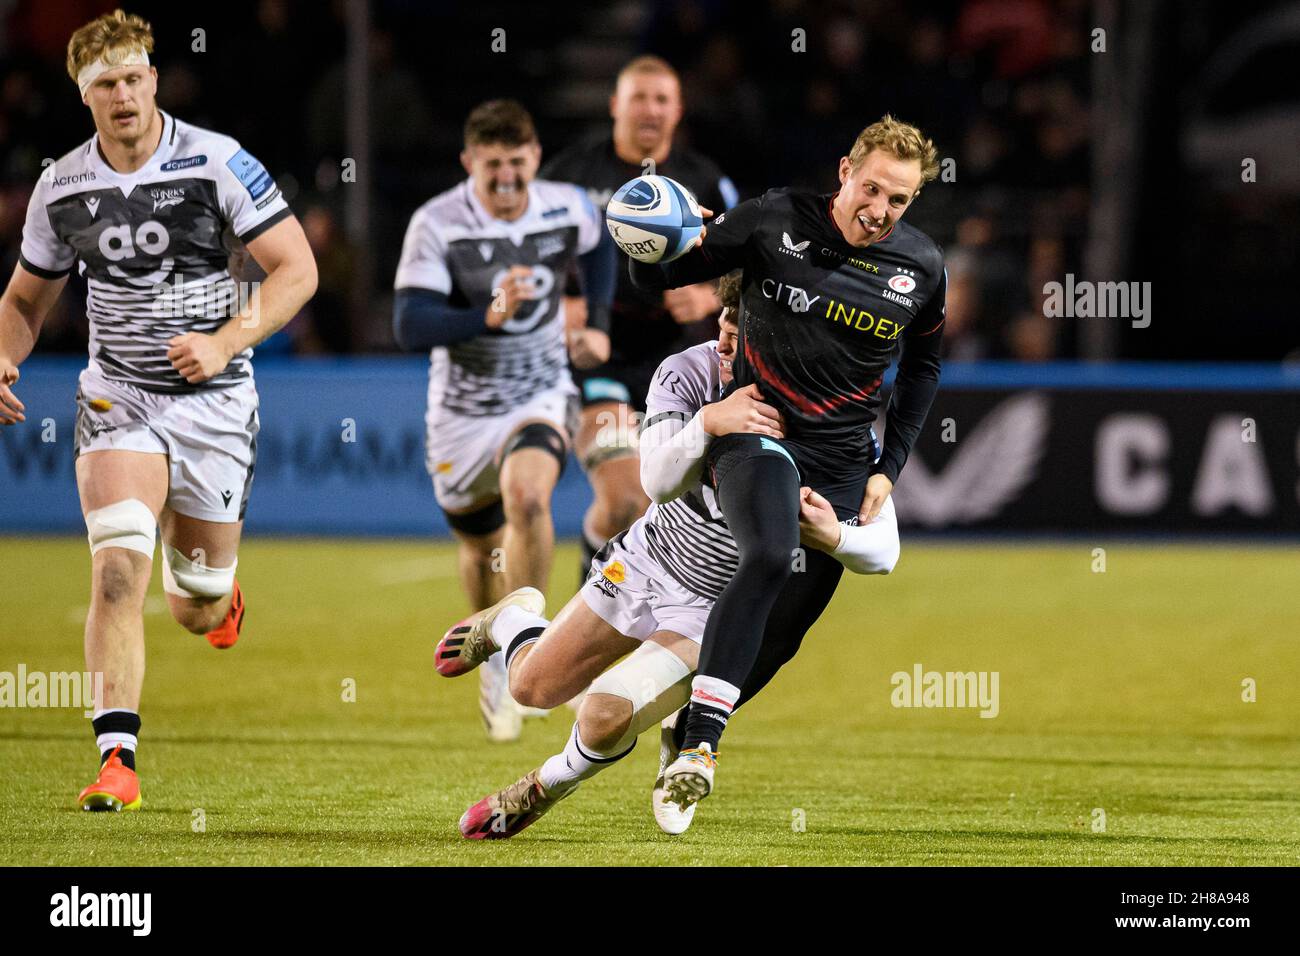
(774, 91)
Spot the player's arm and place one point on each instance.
(283, 253)
(598, 268)
(694, 303)
(721, 251)
(674, 441)
(915, 386)
(26, 301)
(424, 319)
(871, 548)
(588, 338)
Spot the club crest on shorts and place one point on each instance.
(609, 578)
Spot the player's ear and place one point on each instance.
(465, 162)
(846, 170)
(613, 98)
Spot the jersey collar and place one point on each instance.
(515, 228)
(128, 181)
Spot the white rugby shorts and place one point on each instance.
(209, 438)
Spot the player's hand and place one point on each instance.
(819, 527)
(704, 231)
(515, 289)
(878, 489)
(742, 411)
(575, 313)
(198, 356)
(691, 303)
(11, 410)
(588, 347)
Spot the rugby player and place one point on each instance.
(832, 285)
(166, 408)
(649, 593)
(646, 327)
(480, 284)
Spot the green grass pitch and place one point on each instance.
(1120, 694)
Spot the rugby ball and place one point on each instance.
(654, 219)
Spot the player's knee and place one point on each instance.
(119, 578)
(603, 720)
(768, 559)
(526, 501)
(531, 687)
(614, 440)
(623, 507)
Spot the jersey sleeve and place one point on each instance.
(678, 389)
(43, 253)
(724, 249)
(250, 200)
(591, 224)
(915, 385)
(673, 442)
(423, 264)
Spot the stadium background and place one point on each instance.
(1117, 165)
(1123, 165)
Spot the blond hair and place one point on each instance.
(648, 63)
(112, 38)
(900, 139)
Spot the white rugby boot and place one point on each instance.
(671, 818)
(689, 778)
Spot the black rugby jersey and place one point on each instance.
(641, 329)
(821, 320)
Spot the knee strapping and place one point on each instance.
(654, 680)
(124, 524)
(613, 440)
(189, 578)
(541, 436)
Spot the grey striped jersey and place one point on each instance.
(688, 536)
(154, 246)
(453, 245)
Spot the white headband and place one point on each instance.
(92, 71)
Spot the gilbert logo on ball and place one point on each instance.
(654, 219)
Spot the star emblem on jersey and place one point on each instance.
(792, 248)
(902, 283)
(93, 206)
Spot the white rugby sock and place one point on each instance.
(112, 738)
(513, 623)
(576, 763)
